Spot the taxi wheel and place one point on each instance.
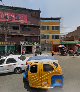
(18, 70)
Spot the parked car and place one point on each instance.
(43, 72)
(13, 63)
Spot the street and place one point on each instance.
(71, 66)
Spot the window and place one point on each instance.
(47, 68)
(15, 27)
(43, 27)
(47, 36)
(47, 27)
(44, 36)
(55, 27)
(11, 60)
(2, 61)
(55, 36)
(33, 69)
(26, 29)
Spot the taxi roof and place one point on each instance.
(41, 58)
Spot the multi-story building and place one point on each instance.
(50, 33)
(19, 28)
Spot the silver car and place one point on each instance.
(12, 63)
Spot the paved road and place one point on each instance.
(71, 67)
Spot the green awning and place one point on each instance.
(70, 42)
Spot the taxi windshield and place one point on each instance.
(41, 58)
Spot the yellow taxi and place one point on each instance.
(43, 72)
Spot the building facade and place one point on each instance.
(19, 28)
(50, 34)
(71, 39)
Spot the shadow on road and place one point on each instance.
(56, 89)
(5, 74)
(26, 86)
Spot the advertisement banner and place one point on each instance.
(13, 17)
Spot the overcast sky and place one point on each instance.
(68, 10)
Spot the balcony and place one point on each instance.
(9, 31)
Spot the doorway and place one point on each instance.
(28, 49)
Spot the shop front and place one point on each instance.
(28, 47)
(7, 47)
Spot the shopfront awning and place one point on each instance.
(70, 42)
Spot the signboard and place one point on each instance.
(13, 17)
(7, 43)
(26, 43)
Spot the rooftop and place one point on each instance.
(3, 7)
(52, 18)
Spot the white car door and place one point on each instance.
(10, 64)
(2, 65)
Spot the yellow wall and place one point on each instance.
(50, 23)
(51, 32)
(51, 41)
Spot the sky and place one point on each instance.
(68, 10)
